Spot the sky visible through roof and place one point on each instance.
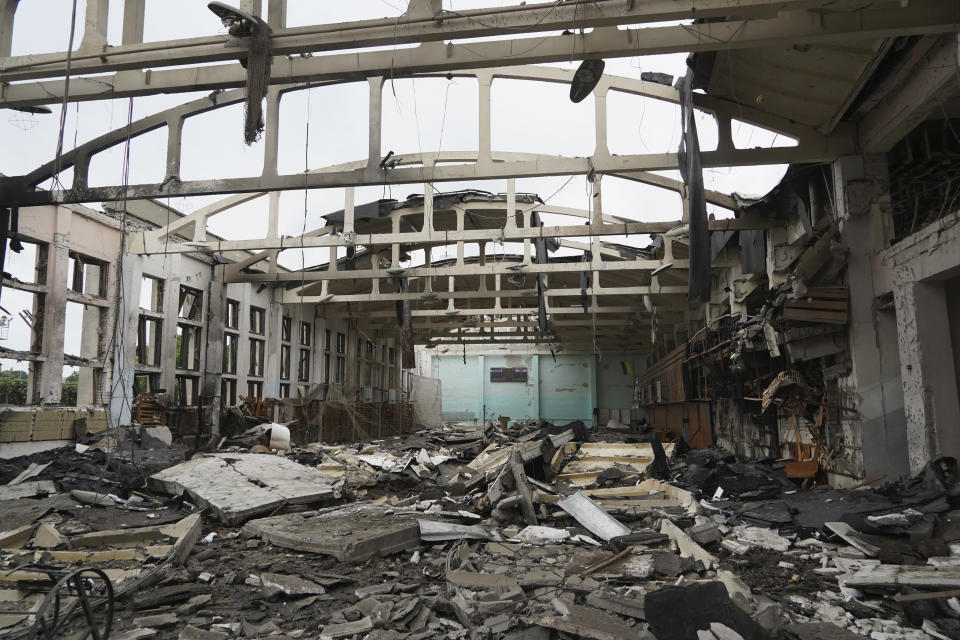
(423, 115)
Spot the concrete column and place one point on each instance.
(95, 25)
(8, 9)
(484, 80)
(210, 385)
(55, 309)
(133, 15)
(171, 311)
(929, 376)
(271, 365)
(872, 389)
(277, 14)
(125, 344)
(91, 328)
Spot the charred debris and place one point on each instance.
(470, 531)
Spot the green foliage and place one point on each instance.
(13, 387)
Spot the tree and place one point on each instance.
(13, 387)
(68, 392)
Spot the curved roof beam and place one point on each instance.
(484, 163)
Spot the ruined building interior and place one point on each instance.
(461, 318)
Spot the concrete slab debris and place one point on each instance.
(27, 489)
(542, 535)
(237, 487)
(592, 517)
(290, 585)
(30, 472)
(349, 534)
(433, 531)
(346, 629)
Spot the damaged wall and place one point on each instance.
(924, 267)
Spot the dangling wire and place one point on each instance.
(55, 181)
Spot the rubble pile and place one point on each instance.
(470, 531)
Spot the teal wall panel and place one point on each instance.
(461, 397)
(566, 388)
(558, 390)
(516, 400)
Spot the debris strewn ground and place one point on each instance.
(470, 531)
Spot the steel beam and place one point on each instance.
(879, 20)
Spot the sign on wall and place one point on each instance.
(508, 374)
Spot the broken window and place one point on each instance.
(151, 294)
(145, 383)
(228, 392)
(303, 367)
(286, 328)
(191, 304)
(285, 390)
(254, 389)
(257, 320)
(80, 386)
(149, 339)
(82, 336)
(188, 347)
(231, 343)
(256, 358)
(232, 321)
(29, 265)
(284, 362)
(86, 275)
(306, 331)
(186, 390)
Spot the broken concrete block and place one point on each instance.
(92, 498)
(134, 634)
(669, 564)
(587, 622)
(431, 531)
(482, 580)
(733, 546)
(191, 632)
(232, 628)
(168, 595)
(192, 605)
(159, 620)
(238, 486)
(27, 489)
(290, 585)
(706, 533)
(763, 538)
(47, 537)
(624, 606)
(349, 534)
(251, 630)
(686, 545)
(346, 629)
(542, 535)
(589, 514)
(541, 578)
